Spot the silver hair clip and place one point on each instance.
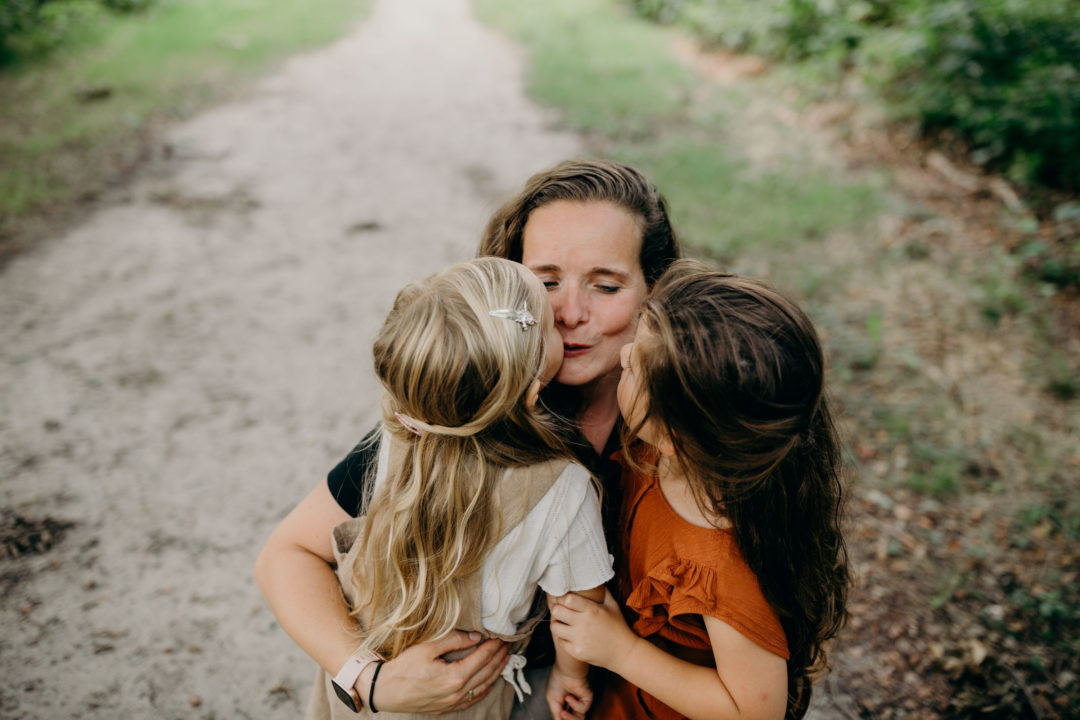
(522, 317)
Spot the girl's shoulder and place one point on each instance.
(559, 471)
(552, 486)
(692, 570)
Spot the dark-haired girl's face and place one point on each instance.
(587, 254)
(632, 393)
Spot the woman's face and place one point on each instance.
(587, 254)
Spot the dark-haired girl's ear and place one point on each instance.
(666, 446)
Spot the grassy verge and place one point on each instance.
(953, 344)
(614, 76)
(74, 119)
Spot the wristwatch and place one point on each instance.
(345, 680)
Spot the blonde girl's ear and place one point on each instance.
(533, 395)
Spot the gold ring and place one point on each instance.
(469, 695)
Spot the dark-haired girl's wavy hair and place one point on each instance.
(735, 373)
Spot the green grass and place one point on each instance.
(616, 77)
(161, 63)
(607, 71)
(724, 205)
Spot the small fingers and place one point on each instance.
(569, 600)
(576, 704)
(566, 713)
(561, 614)
(579, 603)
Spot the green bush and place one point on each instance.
(34, 27)
(127, 5)
(1003, 75)
(1006, 77)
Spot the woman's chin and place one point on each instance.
(572, 374)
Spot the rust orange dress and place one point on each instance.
(670, 574)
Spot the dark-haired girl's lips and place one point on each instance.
(570, 351)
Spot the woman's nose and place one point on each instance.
(570, 308)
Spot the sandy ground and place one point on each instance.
(180, 369)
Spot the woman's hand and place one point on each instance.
(420, 681)
(592, 632)
(568, 697)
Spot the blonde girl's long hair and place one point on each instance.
(460, 376)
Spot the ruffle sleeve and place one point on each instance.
(676, 592)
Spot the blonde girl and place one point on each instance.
(735, 573)
(475, 504)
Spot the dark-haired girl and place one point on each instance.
(734, 572)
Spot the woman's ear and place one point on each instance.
(533, 395)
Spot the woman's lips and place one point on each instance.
(571, 351)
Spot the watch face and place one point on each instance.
(351, 699)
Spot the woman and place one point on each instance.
(597, 234)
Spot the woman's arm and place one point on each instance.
(295, 575)
(748, 683)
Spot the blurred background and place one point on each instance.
(906, 169)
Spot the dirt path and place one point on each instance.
(183, 367)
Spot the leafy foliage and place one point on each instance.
(1006, 76)
(1003, 75)
(34, 27)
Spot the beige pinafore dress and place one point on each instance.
(519, 491)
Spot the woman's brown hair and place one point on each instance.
(585, 181)
(734, 372)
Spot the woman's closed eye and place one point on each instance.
(609, 289)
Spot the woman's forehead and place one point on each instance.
(594, 237)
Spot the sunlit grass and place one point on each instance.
(616, 77)
(727, 208)
(606, 70)
(71, 119)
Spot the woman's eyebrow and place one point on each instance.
(617, 274)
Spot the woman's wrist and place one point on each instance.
(364, 685)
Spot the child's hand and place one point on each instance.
(567, 696)
(592, 632)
